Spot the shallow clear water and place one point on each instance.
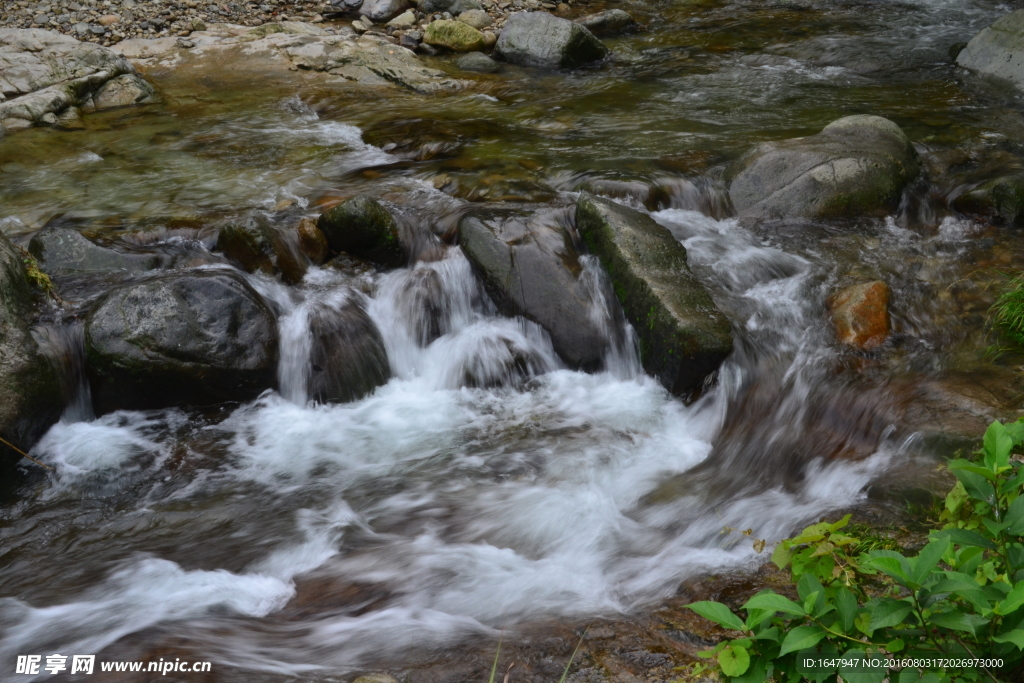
(486, 486)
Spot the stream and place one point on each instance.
(486, 486)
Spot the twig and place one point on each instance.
(24, 454)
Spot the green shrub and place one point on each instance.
(961, 596)
(1008, 311)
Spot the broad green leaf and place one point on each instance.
(928, 559)
(846, 608)
(756, 617)
(875, 675)
(964, 537)
(863, 623)
(782, 555)
(909, 675)
(734, 660)
(1014, 517)
(886, 612)
(836, 526)
(718, 613)
(892, 564)
(896, 645)
(801, 638)
(756, 673)
(1012, 601)
(973, 469)
(1016, 431)
(773, 634)
(997, 443)
(1016, 636)
(957, 621)
(956, 497)
(774, 602)
(978, 487)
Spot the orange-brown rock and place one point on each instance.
(312, 241)
(860, 314)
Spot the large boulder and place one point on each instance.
(683, 336)
(347, 359)
(65, 251)
(544, 40)
(46, 76)
(998, 51)
(857, 165)
(530, 268)
(362, 227)
(196, 337)
(31, 399)
(453, 35)
(258, 245)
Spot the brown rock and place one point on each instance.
(312, 242)
(109, 19)
(860, 314)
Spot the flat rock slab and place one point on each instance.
(46, 76)
(683, 336)
(288, 46)
(998, 51)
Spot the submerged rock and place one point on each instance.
(453, 7)
(360, 226)
(45, 75)
(857, 165)
(348, 359)
(607, 22)
(544, 40)
(1000, 200)
(683, 336)
(180, 339)
(382, 10)
(860, 314)
(31, 399)
(65, 251)
(257, 245)
(530, 268)
(312, 241)
(453, 35)
(477, 61)
(998, 51)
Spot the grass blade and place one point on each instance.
(566, 672)
(494, 669)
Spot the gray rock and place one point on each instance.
(998, 51)
(683, 336)
(360, 226)
(530, 268)
(477, 61)
(607, 22)
(42, 72)
(348, 359)
(31, 400)
(123, 91)
(857, 165)
(543, 40)
(1000, 200)
(382, 10)
(257, 245)
(65, 251)
(477, 18)
(453, 7)
(180, 339)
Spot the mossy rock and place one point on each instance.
(259, 246)
(453, 35)
(1000, 200)
(362, 227)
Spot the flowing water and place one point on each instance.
(486, 486)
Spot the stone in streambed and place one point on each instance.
(683, 336)
(477, 61)
(65, 251)
(999, 200)
(453, 35)
(189, 338)
(857, 165)
(477, 18)
(312, 241)
(31, 399)
(453, 7)
(257, 245)
(123, 91)
(543, 40)
(360, 226)
(998, 51)
(382, 10)
(860, 314)
(406, 20)
(530, 268)
(348, 359)
(607, 22)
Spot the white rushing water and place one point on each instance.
(482, 487)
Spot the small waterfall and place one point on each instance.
(296, 343)
(63, 343)
(622, 359)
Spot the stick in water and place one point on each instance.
(24, 454)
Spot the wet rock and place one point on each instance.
(382, 10)
(999, 200)
(955, 49)
(453, 7)
(123, 91)
(998, 51)
(348, 359)
(857, 165)
(258, 245)
(312, 241)
(543, 40)
(406, 19)
(860, 314)
(42, 72)
(31, 399)
(477, 18)
(453, 35)
(360, 226)
(683, 336)
(530, 268)
(477, 61)
(421, 303)
(65, 251)
(607, 22)
(180, 339)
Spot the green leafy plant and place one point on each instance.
(1008, 311)
(961, 597)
